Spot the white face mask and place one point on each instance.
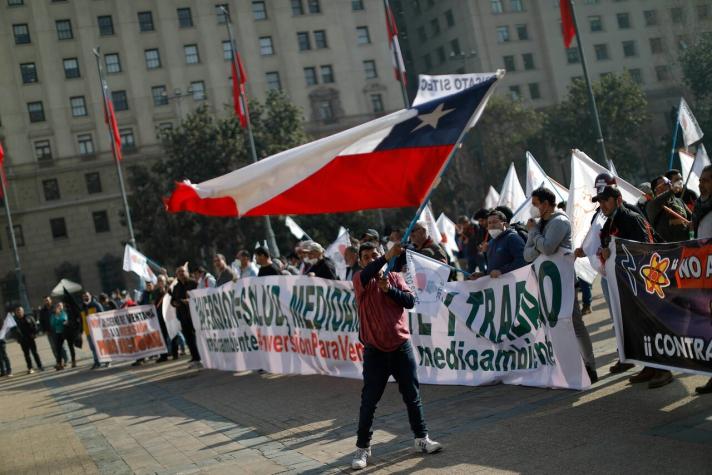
(535, 213)
(494, 232)
(311, 261)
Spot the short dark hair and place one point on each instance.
(244, 253)
(500, 215)
(463, 219)
(506, 211)
(545, 194)
(262, 251)
(220, 256)
(481, 214)
(562, 205)
(670, 173)
(352, 249)
(367, 246)
(707, 169)
(655, 181)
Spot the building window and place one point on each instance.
(596, 23)
(662, 73)
(22, 34)
(120, 100)
(656, 45)
(153, 58)
(441, 54)
(320, 39)
(101, 221)
(266, 48)
(197, 88)
(106, 25)
(79, 107)
(369, 67)
(357, 5)
(185, 17)
(36, 111)
(623, 21)
(313, 6)
(516, 6)
(522, 32)
(303, 40)
(703, 11)
(71, 68)
(362, 36)
(86, 144)
(297, 8)
(191, 54)
(376, 103)
(93, 181)
(28, 72)
(145, 21)
(43, 150)
(572, 55)
(273, 82)
(629, 49)
(636, 75)
(128, 142)
(160, 98)
(502, 34)
(496, 6)
(113, 64)
(19, 236)
(51, 189)
(509, 64)
(435, 26)
(449, 19)
(227, 50)
(534, 92)
(64, 29)
(327, 74)
(515, 92)
(455, 47)
(220, 10)
(651, 17)
(601, 52)
(310, 76)
(428, 62)
(677, 15)
(528, 59)
(326, 111)
(58, 227)
(422, 35)
(15, 3)
(259, 11)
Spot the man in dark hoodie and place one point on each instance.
(26, 333)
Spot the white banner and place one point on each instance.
(448, 234)
(126, 334)
(7, 325)
(516, 329)
(692, 166)
(492, 198)
(336, 250)
(512, 195)
(430, 224)
(691, 131)
(432, 87)
(136, 262)
(426, 277)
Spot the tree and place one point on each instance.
(696, 63)
(622, 108)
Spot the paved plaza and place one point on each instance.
(164, 418)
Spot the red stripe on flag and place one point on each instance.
(110, 119)
(185, 198)
(239, 100)
(2, 168)
(568, 30)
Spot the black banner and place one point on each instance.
(663, 311)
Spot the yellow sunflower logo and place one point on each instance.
(654, 275)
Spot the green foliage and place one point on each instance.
(622, 108)
(696, 63)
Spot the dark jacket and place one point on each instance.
(662, 221)
(626, 224)
(270, 269)
(505, 252)
(45, 316)
(324, 268)
(26, 327)
(179, 293)
(433, 250)
(225, 277)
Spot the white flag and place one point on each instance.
(612, 168)
(136, 262)
(426, 277)
(169, 314)
(7, 325)
(691, 167)
(691, 131)
(492, 198)
(335, 252)
(512, 194)
(294, 228)
(431, 225)
(448, 231)
(536, 177)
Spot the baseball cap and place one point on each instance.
(608, 191)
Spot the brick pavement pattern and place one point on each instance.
(167, 419)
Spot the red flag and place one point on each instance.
(568, 30)
(394, 45)
(2, 169)
(110, 119)
(239, 78)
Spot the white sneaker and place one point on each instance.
(427, 445)
(360, 459)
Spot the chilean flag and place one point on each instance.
(568, 29)
(110, 119)
(2, 169)
(394, 45)
(389, 162)
(239, 78)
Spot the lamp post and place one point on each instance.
(464, 57)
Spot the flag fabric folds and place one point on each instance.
(537, 177)
(389, 162)
(2, 169)
(691, 167)
(492, 198)
(294, 228)
(568, 29)
(336, 250)
(512, 194)
(239, 79)
(691, 132)
(448, 233)
(430, 224)
(110, 120)
(394, 45)
(136, 262)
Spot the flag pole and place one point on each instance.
(24, 300)
(122, 187)
(674, 140)
(271, 239)
(592, 100)
(406, 102)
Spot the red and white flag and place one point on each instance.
(239, 99)
(110, 119)
(568, 29)
(2, 169)
(389, 162)
(394, 45)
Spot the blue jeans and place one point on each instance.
(4, 360)
(93, 350)
(377, 367)
(585, 292)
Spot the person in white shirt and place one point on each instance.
(243, 265)
(204, 278)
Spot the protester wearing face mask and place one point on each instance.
(506, 248)
(318, 264)
(667, 213)
(682, 192)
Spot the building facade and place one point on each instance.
(162, 59)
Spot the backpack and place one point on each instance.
(521, 230)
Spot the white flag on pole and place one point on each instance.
(431, 225)
(492, 198)
(536, 177)
(7, 325)
(294, 228)
(448, 231)
(691, 131)
(691, 167)
(512, 194)
(426, 277)
(335, 252)
(136, 262)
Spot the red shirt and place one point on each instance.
(383, 322)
